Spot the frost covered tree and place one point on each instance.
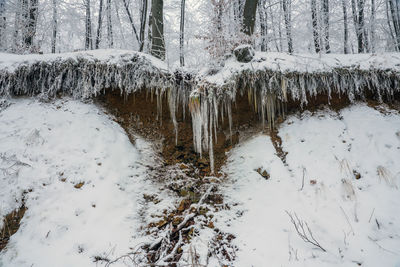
(394, 19)
(345, 29)
(110, 38)
(249, 16)
(314, 18)
(99, 25)
(157, 38)
(54, 27)
(325, 13)
(286, 5)
(30, 13)
(182, 34)
(88, 27)
(143, 18)
(3, 24)
(263, 15)
(128, 12)
(358, 19)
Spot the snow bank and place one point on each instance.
(48, 149)
(356, 220)
(80, 74)
(270, 80)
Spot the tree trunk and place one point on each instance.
(157, 45)
(88, 27)
(3, 24)
(182, 34)
(391, 35)
(17, 22)
(143, 18)
(325, 8)
(109, 26)
(30, 17)
(345, 29)
(357, 26)
(373, 12)
(360, 7)
(288, 24)
(273, 27)
(131, 21)
(249, 16)
(314, 18)
(99, 25)
(280, 26)
(54, 35)
(395, 19)
(262, 11)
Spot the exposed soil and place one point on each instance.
(11, 225)
(138, 115)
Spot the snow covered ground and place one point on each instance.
(357, 221)
(48, 148)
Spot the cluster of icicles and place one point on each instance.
(209, 103)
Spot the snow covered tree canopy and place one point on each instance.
(270, 80)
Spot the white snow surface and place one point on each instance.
(10, 62)
(342, 212)
(41, 144)
(304, 63)
(357, 221)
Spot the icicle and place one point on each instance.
(197, 122)
(210, 146)
(172, 95)
(229, 111)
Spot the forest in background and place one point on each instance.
(199, 32)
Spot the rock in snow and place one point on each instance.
(244, 53)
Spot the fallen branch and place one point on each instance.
(304, 231)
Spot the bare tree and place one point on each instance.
(54, 34)
(388, 20)
(110, 37)
(158, 44)
(373, 16)
(325, 13)
(314, 18)
(238, 6)
(143, 17)
(262, 13)
(286, 5)
(345, 29)
(30, 13)
(182, 34)
(358, 18)
(3, 24)
(128, 12)
(17, 22)
(99, 25)
(395, 20)
(249, 16)
(88, 27)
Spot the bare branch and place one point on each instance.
(303, 230)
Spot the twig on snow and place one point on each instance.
(304, 231)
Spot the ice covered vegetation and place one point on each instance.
(270, 80)
(314, 185)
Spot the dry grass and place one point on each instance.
(385, 175)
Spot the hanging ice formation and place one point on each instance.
(209, 97)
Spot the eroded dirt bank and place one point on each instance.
(138, 115)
